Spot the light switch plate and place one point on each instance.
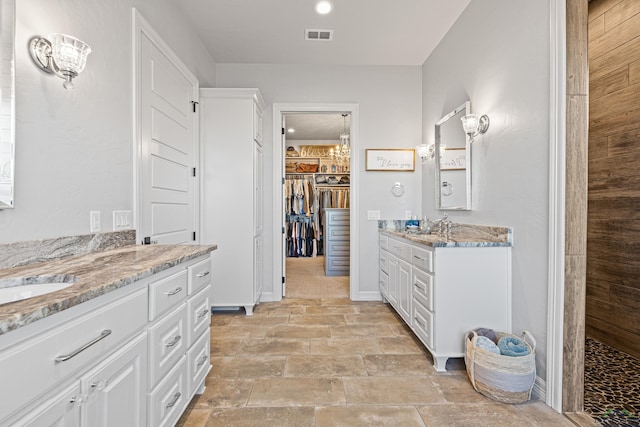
(122, 220)
(95, 221)
(373, 215)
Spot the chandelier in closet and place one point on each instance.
(342, 151)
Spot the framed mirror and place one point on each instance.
(453, 165)
(7, 102)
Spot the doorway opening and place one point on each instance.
(317, 202)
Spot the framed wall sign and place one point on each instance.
(391, 159)
(453, 159)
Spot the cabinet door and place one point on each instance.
(404, 290)
(393, 281)
(62, 410)
(259, 267)
(258, 201)
(116, 389)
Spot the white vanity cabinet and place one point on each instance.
(97, 363)
(232, 192)
(444, 292)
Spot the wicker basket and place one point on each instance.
(503, 378)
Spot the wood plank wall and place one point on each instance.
(613, 225)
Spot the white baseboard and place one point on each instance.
(539, 389)
(369, 296)
(267, 297)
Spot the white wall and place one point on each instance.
(390, 107)
(74, 148)
(497, 56)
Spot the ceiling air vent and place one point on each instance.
(322, 35)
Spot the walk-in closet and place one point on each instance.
(317, 203)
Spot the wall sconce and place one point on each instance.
(62, 55)
(428, 152)
(474, 125)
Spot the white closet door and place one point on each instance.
(168, 146)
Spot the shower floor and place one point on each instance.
(612, 385)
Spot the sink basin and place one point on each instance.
(17, 289)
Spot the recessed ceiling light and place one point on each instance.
(323, 7)
(291, 130)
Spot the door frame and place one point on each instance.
(278, 157)
(140, 26)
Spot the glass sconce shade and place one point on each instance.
(470, 123)
(423, 151)
(69, 53)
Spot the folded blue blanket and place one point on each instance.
(513, 346)
(487, 344)
(489, 333)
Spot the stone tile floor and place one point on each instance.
(332, 362)
(612, 385)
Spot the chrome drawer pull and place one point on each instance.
(421, 288)
(419, 322)
(175, 399)
(203, 313)
(174, 342)
(398, 248)
(419, 257)
(202, 360)
(204, 273)
(66, 357)
(173, 292)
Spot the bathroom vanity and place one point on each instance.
(445, 287)
(126, 345)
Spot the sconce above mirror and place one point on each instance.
(7, 100)
(453, 161)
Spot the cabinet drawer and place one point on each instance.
(400, 249)
(198, 362)
(339, 248)
(168, 400)
(167, 343)
(383, 262)
(422, 258)
(198, 314)
(81, 341)
(422, 324)
(384, 283)
(423, 288)
(337, 217)
(167, 293)
(337, 233)
(383, 241)
(199, 275)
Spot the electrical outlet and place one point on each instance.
(407, 214)
(122, 220)
(95, 222)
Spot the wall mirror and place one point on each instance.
(7, 102)
(453, 165)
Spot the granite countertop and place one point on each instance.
(461, 235)
(95, 274)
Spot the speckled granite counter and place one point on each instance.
(461, 235)
(95, 274)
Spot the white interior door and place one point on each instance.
(167, 144)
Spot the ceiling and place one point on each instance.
(366, 32)
(316, 126)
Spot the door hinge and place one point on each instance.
(283, 131)
(194, 103)
(282, 230)
(282, 180)
(283, 280)
(193, 172)
(194, 236)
